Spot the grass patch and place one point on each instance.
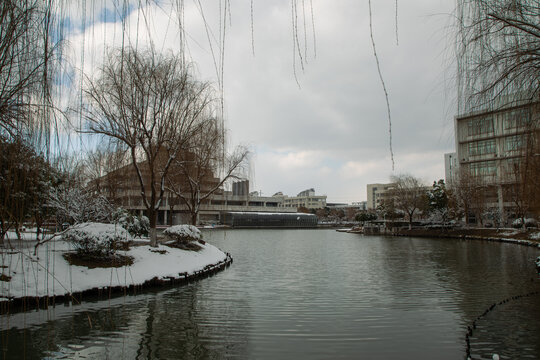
(93, 262)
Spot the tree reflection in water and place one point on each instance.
(178, 323)
(309, 294)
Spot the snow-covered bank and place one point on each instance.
(48, 274)
(527, 238)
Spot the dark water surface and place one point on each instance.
(309, 294)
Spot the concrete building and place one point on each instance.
(240, 188)
(375, 194)
(356, 206)
(122, 188)
(306, 198)
(491, 144)
(451, 168)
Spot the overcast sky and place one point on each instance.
(329, 131)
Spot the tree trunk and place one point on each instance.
(194, 218)
(38, 229)
(152, 216)
(3, 232)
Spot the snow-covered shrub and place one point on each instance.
(97, 239)
(182, 233)
(76, 206)
(137, 226)
(529, 223)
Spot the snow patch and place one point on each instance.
(49, 274)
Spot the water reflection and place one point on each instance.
(179, 323)
(308, 294)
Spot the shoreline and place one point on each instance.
(31, 285)
(502, 235)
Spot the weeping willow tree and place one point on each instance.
(39, 81)
(498, 53)
(29, 60)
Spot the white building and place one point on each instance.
(355, 206)
(451, 167)
(306, 198)
(375, 193)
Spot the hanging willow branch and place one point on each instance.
(382, 83)
(498, 52)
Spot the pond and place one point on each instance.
(310, 294)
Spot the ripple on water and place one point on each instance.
(314, 294)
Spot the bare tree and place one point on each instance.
(193, 176)
(470, 194)
(106, 172)
(150, 104)
(408, 195)
(523, 188)
(498, 45)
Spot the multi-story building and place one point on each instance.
(122, 187)
(306, 199)
(491, 146)
(375, 194)
(349, 210)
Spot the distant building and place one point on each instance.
(362, 205)
(240, 188)
(306, 198)
(356, 206)
(375, 194)
(451, 167)
(269, 220)
(123, 189)
(349, 210)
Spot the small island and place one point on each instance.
(101, 259)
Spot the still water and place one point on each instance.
(309, 294)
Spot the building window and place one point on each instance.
(514, 143)
(484, 169)
(512, 167)
(482, 147)
(479, 126)
(516, 118)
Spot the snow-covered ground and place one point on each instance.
(26, 235)
(49, 274)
